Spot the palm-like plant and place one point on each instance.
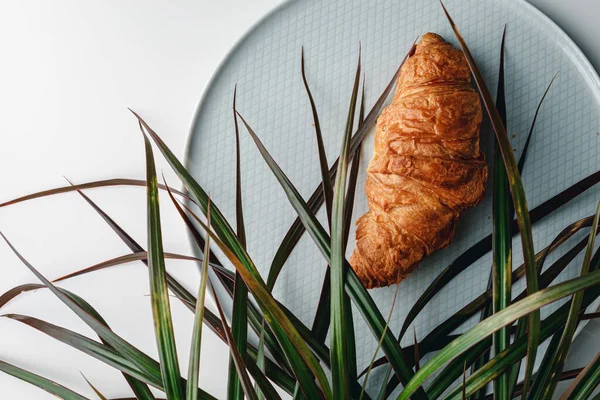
(295, 358)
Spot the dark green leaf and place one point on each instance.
(340, 361)
(195, 348)
(521, 163)
(260, 359)
(41, 382)
(159, 294)
(127, 258)
(325, 177)
(88, 185)
(502, 212)
(239, 315)
(233, 350)
(366, 380)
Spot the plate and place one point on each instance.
(265, 65)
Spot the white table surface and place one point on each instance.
(69, 70)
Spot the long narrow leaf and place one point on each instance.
(239, 315)
(159, 295)
(340, 360)
(195, 348)
(325, 177)
(41, 382)
(88, 185)
(514, 373)
(366, 380)
(502, 211)
(124, 259)
(485, 328)
(233, 350)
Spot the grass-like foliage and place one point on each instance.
(320, 362)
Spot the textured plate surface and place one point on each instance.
(266, 66)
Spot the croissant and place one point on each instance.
(426, 168)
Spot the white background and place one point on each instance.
(68, 72)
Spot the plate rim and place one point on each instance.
(582, 63)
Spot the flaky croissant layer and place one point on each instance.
(426, 168)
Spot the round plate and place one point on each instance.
(265, 65)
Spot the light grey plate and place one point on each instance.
(265, 64)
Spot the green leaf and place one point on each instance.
(233, 348)
(88, 185)
(585, 383)
(502, 211)
(100, 395)
(531, 129)
(124, 259)
(159, 294)
(285, 332)
(260, 360)
(503, 318)
(41, 382)
(316, 200)
(355, 288)
(518, 196)
(325, 177)
(387, 324)
(239, 315)
(195, 348)
(340, 360)
(547, 378)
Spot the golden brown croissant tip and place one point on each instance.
(430, 38)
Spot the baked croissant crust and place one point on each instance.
(426, 168)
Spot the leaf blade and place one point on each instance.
(159, 295)
(41, 382)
